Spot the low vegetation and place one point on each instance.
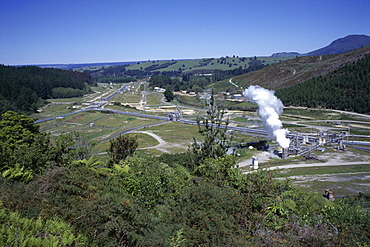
(196, 198)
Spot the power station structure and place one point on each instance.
(175, 116)
(305, 144)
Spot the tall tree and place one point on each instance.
(121, 147)
(214, 129)
(168, 94)
(23, 148)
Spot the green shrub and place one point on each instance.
(18, 231)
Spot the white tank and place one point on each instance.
(255, 162)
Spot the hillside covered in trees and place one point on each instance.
(297, 70)
(23, 89)
(346, 88)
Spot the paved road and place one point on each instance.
(302, 165)
(242, 130)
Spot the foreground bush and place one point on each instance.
(18, 231)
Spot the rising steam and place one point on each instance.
(269, 108)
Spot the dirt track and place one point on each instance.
(162, 145)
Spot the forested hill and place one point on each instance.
(22, 89)
(347, 88)
(294, 71)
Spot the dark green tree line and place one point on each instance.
(23, 89)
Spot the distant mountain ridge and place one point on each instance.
(338, 46)
(286, 54)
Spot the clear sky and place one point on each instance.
(87, 31)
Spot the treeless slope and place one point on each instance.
(300, 69)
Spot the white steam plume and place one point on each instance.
(269, 108)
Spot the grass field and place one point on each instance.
(324, 170)
(53, 110)
(343, 180)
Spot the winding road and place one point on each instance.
(230, 80)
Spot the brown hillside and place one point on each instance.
(297, 70)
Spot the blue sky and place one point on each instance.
(87, 31)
